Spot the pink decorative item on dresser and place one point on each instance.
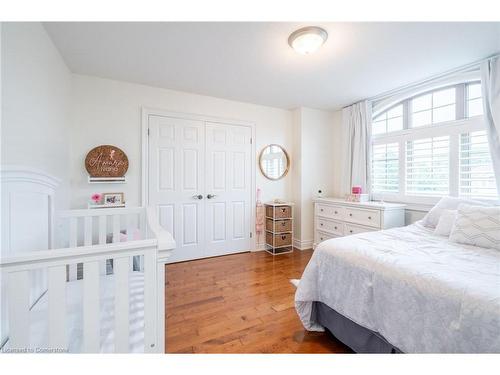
(357, 190)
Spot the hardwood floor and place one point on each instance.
(241, 303)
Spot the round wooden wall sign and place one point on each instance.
(106, 161)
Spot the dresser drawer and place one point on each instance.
(279, 212)
(336, 227)
(278, 226)
(326, 210)
(355, 229)
(323, 236)
(363, 216)
(282, 239)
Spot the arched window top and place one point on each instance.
(431, 144)
(441, 105)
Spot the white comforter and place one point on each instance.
(421, 292)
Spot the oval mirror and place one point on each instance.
(274, 162)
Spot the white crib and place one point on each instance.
(47, 305)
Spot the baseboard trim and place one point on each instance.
(302, 245)
(259, 247)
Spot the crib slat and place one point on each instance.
(57, 307)
(18, 295)
(130, 233)
(73, 242)
(149, 302)
(142, 224)
(116, 228)
(91, 308)
(72, 232)
(143, 227)
(87, 230)
(130, 227)
(103, 239)
(102, 229)
(121, 270)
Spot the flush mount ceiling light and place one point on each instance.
(308, 39)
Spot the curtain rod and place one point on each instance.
(429, 79)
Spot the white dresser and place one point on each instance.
(336, 217)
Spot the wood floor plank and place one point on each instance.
(242, 303)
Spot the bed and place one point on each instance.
(403, 290)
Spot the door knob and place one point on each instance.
(210, 196)
(199, 196)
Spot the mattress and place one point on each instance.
(74, 295)
(419, 291)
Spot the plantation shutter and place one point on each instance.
(476, 177)
(385, 168)
(428, 166)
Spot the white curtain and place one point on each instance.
(356, 121)
(490, 80)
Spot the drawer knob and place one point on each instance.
(283, 210)
(321, 224)
(321, 238)
(350, 231)
(283, 237)
(283, 223)
(350, 214)
(321, 209)
(335, 227)
(369, 217)
(336, 212)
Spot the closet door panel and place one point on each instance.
(228, 179)
(239, 220)
(176, 179)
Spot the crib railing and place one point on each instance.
(99, 226)
(154, 251)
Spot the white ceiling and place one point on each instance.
(252, 62)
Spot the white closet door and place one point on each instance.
(228, 188)
(176, 179)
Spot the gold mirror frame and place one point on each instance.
(287, 162)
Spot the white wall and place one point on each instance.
(296, 171)
(36, 90)
(316, 151)
(317, 164)
(109, 112)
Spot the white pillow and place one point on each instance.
(445, 223)
(477, 226)
(445, 203)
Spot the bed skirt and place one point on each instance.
(356, 337)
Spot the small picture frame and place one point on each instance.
(113, 199)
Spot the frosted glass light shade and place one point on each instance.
(308, 39)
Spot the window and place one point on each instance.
(389, 121)
(435, 107)
(476, 172)
(432, 145)
(385, 167)
(474, 100)
(427, 166)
